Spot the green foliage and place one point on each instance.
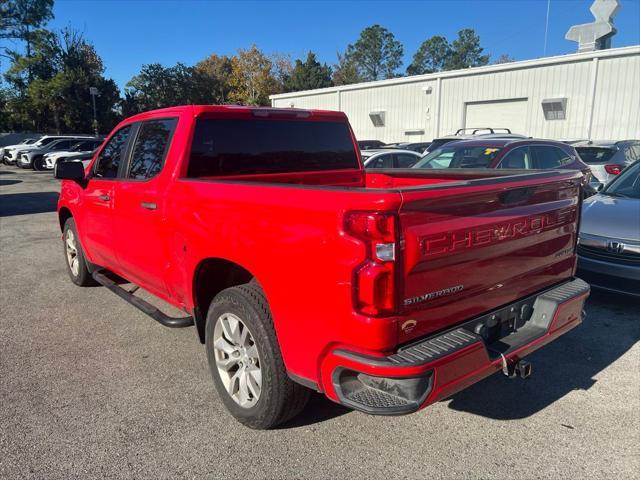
(437, 54)
(216, 69)
(308, 75)
(431, 57)
(49, 89)
(159, 87)
(466, 51)
(345, 72)
(376, 54)
(21, 20)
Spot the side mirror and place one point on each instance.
(69, 171)
(599, 187)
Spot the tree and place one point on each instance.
(281, 69)
(431, 57)
(345, 72)
(252, 79)
(504, 58)
(376, 54)
(21, 19)
(466, 51)
(159, 87)
(216, 69)
(308, 75)
(62, 66)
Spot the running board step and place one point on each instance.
(171, 322)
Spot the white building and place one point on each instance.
(592, 95)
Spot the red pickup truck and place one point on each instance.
(386, 290)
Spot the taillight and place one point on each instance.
(375, 278)
(613, 169)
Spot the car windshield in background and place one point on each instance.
(459, 156)
(627, 184)
(595, 154)
(240, 147)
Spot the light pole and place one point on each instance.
(93, 91)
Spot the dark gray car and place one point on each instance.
(609, 240)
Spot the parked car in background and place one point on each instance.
(473, 133)
(23, 143)
(84, 157)
(419, 147)
(33, 158)
(369, 144)
(523, 154)
(607, 159)
(11, 156)
(389, 158)
(49, 160)
(609, 240)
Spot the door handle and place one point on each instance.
(104, 198)
(148, 205)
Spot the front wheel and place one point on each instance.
(74, 256)
(38, 164)
(245, 360)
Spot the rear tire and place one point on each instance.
(75, 260)
(245, 360)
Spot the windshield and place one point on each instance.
(595, 154)
(459, 156)
(627, 184)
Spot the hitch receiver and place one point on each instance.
(520, 368)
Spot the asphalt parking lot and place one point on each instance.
(91, 387)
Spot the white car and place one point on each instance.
(12, 156)
(389, 158)
(85, 146)
(8, 148)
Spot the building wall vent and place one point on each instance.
(414, 131)
(554, 108)
(377, 118)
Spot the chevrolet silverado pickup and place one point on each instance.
(386, 290)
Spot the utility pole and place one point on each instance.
(93, 91)
(546, 28)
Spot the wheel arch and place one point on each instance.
(211, 276)
(64, 214)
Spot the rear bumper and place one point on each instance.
(436, 367)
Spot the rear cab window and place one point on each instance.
(227, 147)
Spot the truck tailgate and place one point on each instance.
(474, 246)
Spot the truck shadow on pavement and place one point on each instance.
(318, 410)
(570, 363)
(9, 182)
(28, 203)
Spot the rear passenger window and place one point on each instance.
(519, 158)
(406, 161)
(151, 148)
(549, 157)
(111, 155)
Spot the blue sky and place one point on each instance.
(130, 33)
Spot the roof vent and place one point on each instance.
(597, 34)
